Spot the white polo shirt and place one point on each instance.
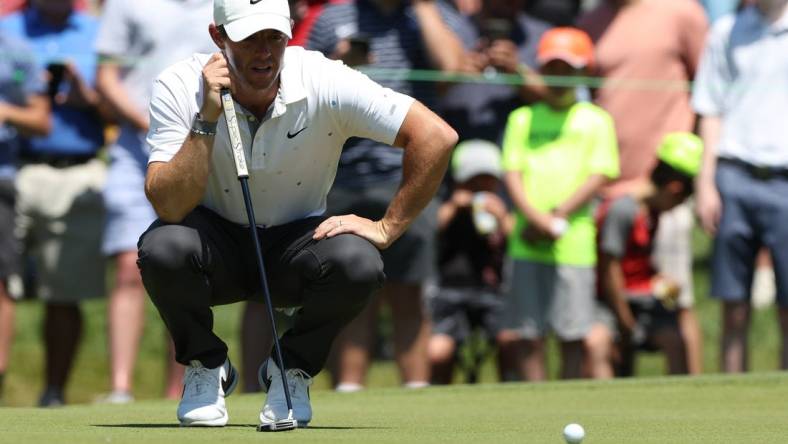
(293, 156)
(743, 79)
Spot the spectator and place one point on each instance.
(557, 12)
(638, 301)
(556, 157)
(304, 13)
(647, 51)
(472, 226)
(504, 40)
(61, 212)
(399, 34)
(24, 110)
(136, 41)
(741, 96)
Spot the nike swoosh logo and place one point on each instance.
(290, 136)
(254, 2)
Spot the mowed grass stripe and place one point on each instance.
(715, 409)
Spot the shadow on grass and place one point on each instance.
(344, 428)
(163, 426)
(254, 426)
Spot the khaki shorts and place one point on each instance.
(61, 220)
(546, 297)
(673, 250)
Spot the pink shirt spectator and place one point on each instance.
(657, 44)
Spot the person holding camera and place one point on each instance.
(504, 42)
(61, 212)
(557, 155)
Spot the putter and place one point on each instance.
(243, 177)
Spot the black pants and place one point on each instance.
(206, 260)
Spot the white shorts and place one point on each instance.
(673, 250)
(129, 213)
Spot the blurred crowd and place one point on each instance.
(593, 136)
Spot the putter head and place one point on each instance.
(281, 425)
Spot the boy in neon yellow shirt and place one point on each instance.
(556, 156)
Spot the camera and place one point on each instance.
(56, 74)
(496, 29)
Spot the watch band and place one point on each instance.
(203, 128)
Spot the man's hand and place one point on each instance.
(373, 231)
(462, 198)
(666, 290)
(708, 206)
(216, 75)
(468, 7)
(350, 55)
(79, 94)
(495, 206)
(474, 62)
(503, 56)
(627, 325)
(542, 228)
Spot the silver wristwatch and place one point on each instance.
(203, 128)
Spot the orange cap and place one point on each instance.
(568, 44)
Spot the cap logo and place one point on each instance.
(254, 2)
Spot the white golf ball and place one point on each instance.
(574, 433)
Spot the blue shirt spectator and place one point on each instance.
(20, 78)
(74, 131)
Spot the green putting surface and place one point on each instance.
(715, 409)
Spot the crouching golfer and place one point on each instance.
(295, 110)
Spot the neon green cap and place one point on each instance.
(683, 151)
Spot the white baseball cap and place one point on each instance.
(242, 18)
(475, 157)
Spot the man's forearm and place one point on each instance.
(581, 196)
(533, 88)
(428, 142)
(615, 293)
(176, 187)
(30, 120)
(514, 186)
(444, 48)
(446, 213)
(108, 84)
(710, 128)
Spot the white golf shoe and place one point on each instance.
(204, 389)
(275, 407)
